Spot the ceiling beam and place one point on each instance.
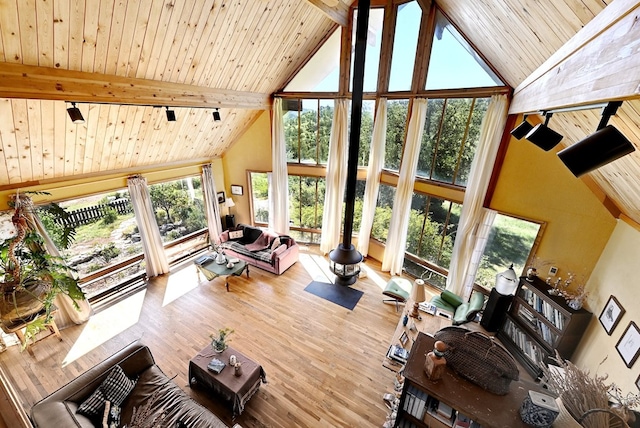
(42, 83)
(336, 10)
(600, 63)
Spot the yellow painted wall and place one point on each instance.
(536, 185)
(252, 152)
(616, 274)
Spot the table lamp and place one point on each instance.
(230, 204)
(417, 295)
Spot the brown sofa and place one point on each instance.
(255, 247)
(58, 410)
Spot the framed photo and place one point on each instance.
(611, 315)
(629, 344)
(221, 197)
(236, 190)
(404, 338)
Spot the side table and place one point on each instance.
(235, 389)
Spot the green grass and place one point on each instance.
(98, 231)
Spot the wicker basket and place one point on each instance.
(479, 359)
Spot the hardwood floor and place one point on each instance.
(323, 362)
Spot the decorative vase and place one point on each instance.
(575, 304)
(237, 369)
(219, 348)
(539, 410)
(220, 258)
(564, 418)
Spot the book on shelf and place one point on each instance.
(433, 411)
(461, 421)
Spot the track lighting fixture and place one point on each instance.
(216, 115)
(523, 129)
(598, 149)
(75, 114)
(171, 115)
(543, 136)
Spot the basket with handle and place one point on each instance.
(479, 359)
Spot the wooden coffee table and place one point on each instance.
(235, 389)
(212, 270)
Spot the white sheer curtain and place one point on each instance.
(154, 256)
(212, 209)
(67, 313)
(376, 163)
(481, 237)
(397, 236)
(336, 178)
(279, 184)
(472, 213)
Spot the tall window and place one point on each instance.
(511, 240)
(405, 44)
(450, 138)
(306, 199)
(372, 54)
(366, 131)
(322, 71)
(397, 111)
(382, 217)
(106, 235)
(259, 197)
(307, 132)
(179, 207)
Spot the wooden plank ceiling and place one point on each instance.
(237, 45)
(239, 48)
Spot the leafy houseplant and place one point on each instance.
(219, 342)
(30, 278)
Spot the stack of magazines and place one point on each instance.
(216, 365)
(398, 353)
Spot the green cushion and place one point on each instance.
(440, 303)
(467, 312)
(451, 298)
(398, 288)
(460, 315)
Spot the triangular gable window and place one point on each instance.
(322, 71)
(454, 63)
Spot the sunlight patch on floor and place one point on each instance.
(179, 284)
(316, 266)
(106, 324)
(373, 276)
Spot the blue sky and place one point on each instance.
(451, 66)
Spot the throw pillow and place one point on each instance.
(111, 417)
(275, 244)
(115, 388)
(92, 406)
(236, 234)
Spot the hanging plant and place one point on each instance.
(31, 278)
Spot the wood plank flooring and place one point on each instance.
(323, 362)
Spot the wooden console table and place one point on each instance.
(483, 407)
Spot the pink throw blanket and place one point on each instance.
(262, 243)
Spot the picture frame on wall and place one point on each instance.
(629, 344)
(638, 382)
(221, 197)
(611, 314)
(236, 190)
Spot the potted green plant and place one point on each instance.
(219, 341)
(31, 278)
